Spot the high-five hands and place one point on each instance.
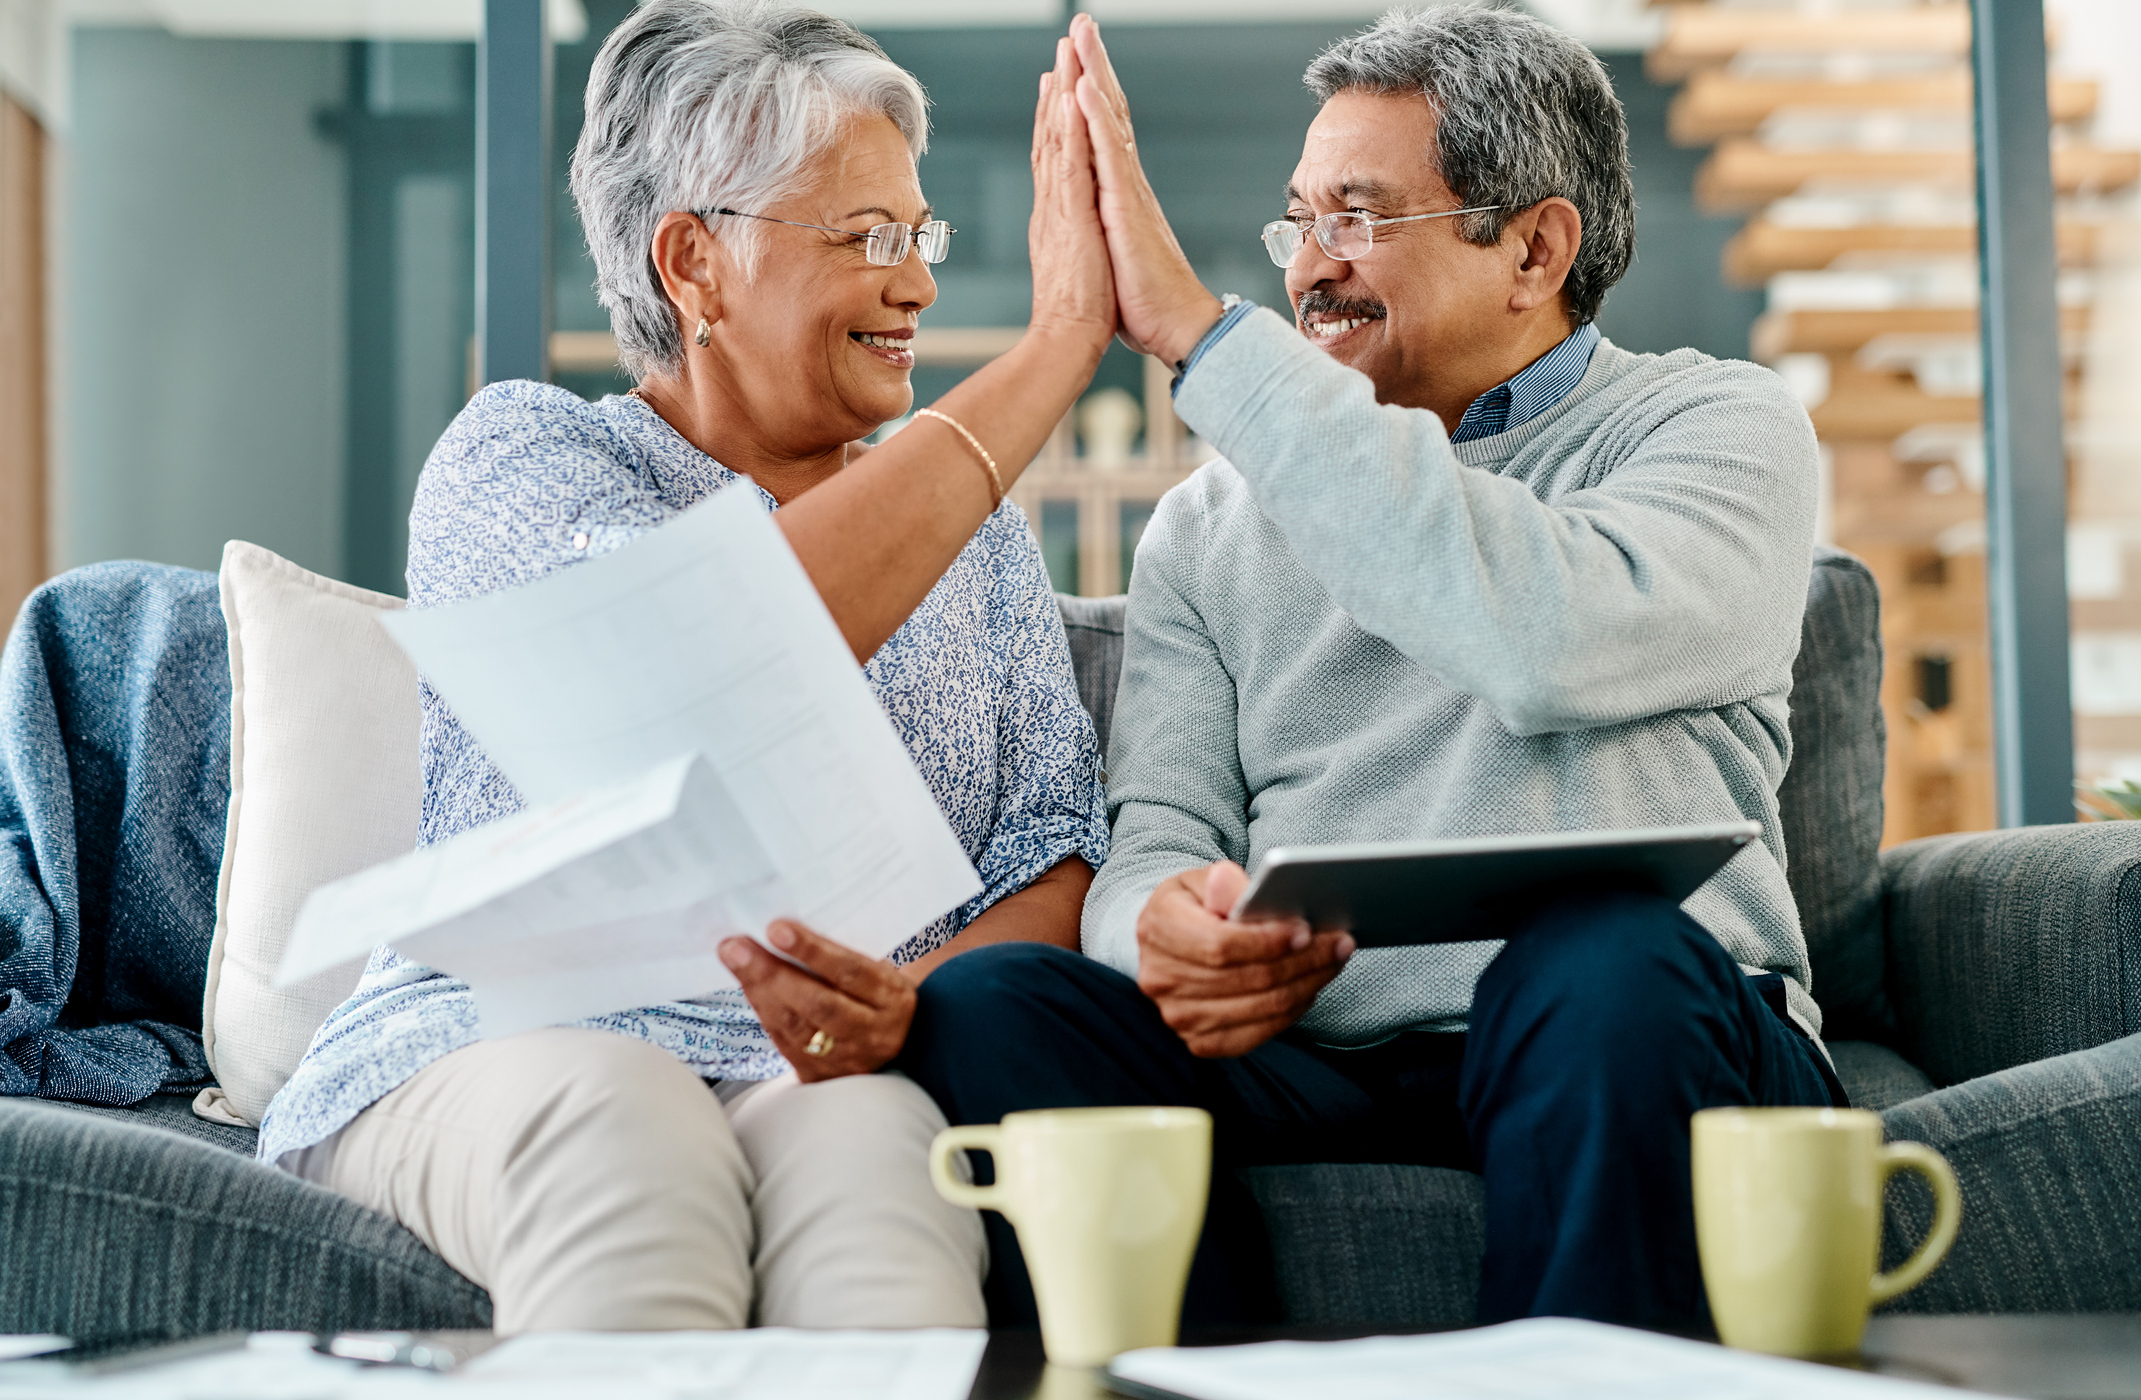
(1228, 987)
(856, 1010)
(1072, 287)
(1164, 309)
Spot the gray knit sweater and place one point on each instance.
(1349, 630)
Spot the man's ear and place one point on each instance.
(1549, 234)
(690, 263)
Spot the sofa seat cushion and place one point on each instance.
(1373, 1244)
(2048, 1156)
(174, 1112)
(1094, 628)
(1875, 1076)
(1363, 1245)
(140, 1231)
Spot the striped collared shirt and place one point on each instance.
(1537, 388)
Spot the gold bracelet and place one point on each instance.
(995, 479)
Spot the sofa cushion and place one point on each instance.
(2048, 1156)
(1830, 801)
(173, 1112)
(1095, 629)
(1370, 1245)
(1875, 1076)
(325, 781)
(142, 1232)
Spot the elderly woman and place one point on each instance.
(747, 181)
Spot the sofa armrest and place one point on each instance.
(2006, 947)
(116, 1229)
(2047, 1158)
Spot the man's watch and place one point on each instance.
(1227, 302)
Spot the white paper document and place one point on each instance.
(701, 755)
(14, 1345)
(1536, 1359)
(761, 1364)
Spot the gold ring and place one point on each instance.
(820, 1044)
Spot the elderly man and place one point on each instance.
(1466, 568)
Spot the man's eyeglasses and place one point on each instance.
(1343, 236)
(886, 245)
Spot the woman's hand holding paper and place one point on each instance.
(856, 1009)
(1227, 987)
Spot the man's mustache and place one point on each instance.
(1322, 303)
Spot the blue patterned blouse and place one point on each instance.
(529, 479)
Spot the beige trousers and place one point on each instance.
(591, 1181)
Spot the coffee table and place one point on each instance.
(2058, 1356)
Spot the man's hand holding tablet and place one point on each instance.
(1227, 985)
(1400, 893)
(1232, 961)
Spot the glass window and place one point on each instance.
(1848, 174)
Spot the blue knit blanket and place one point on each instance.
(114, 779)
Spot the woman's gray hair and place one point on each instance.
(1522, 111)
(697, 104)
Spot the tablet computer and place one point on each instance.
(1389, 893)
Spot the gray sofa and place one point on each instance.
(1982, 991)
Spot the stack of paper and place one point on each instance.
(1537, 1359)
(14, 1345)
(762, 1364)
(701, 755)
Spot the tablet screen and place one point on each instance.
(1408, 892)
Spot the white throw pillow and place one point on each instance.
(325, 780)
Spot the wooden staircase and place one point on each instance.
(1842, 134)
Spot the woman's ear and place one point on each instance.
(690, 263)
(1550, 233)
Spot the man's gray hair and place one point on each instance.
(1522, 111)
(698, 104)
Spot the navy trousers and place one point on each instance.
(1604, 1023)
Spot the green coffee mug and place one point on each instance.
(1108, 1204)
(1788, 1222)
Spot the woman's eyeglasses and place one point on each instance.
(1343, 236)
(886, 245)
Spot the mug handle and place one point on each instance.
(1947, 1215)
(983, 1137)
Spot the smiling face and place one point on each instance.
(1425, 315)
(814, 350)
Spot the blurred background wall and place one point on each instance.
(236, 278)
(262, 294)
(201, 302)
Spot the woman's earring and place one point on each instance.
(705, 336)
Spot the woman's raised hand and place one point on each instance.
(1164, 309)
(1072, 286)
(875, 538)
(854, 1010)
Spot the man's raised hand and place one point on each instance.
(1228, 987)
